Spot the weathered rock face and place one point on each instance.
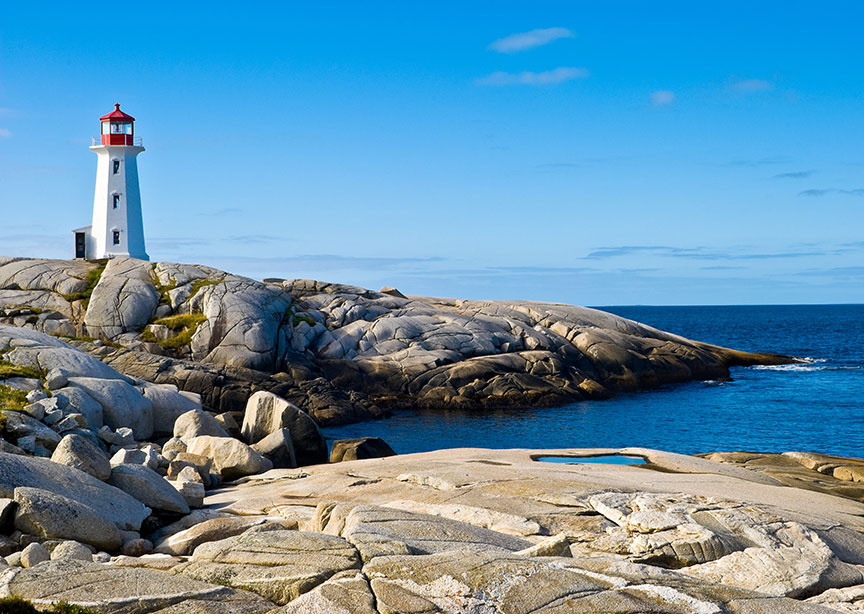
(275, 563)
(123, 300)
(84, 489)
(343, 353)
(126, 590)
(48, 514)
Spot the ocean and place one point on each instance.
(817, 406)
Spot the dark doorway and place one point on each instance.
(80, 245)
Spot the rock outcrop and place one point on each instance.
(486, 531)
(343, 353)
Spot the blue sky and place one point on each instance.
(590, 153)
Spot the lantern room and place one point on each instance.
(118, 128)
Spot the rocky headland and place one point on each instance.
(343, 353)
(161, 453)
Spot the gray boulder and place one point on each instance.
(71, 550)
(20, 426)
(122, 404)
(195, 423)
(231, 458)
(148, 487)
(146, 456)
(79, 401)
(47, 514)
(102, 499)
(34, 554)
(267, 413)
(79, 452)
(56, 378)
(168, 405)
(360, 448)
(278, 447)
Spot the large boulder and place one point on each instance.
(126, 590)
(231, 458)
(360, 448)
(148, 487)
(124, 299)
(79, 452)
(267, 413)
(168, 405)
(195, 423)
(102, 499)
(48, 514)
(278, 447)
(80, 402)
(122, 404)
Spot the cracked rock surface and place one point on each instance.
(344, 353)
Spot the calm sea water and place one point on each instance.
(818, 406)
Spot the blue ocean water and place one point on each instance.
(817, 406)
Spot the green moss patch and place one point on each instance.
(92, 279)
(12, 398)
(8, 369)
(201, 283)
(184, 324)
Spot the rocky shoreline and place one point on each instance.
(160, 453)
(492, 531)
(343, 353)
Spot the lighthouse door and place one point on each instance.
(80, 245)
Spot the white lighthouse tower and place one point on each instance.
(118, 227)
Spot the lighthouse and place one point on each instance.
(118, 226)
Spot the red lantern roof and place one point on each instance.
(117, 115)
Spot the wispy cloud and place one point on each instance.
(227, 211)
(549, 77)
(751, 86)
(815, 193)
(795, 175)
(4, 133)
(528, 40)
(662, 97)
(759, 162)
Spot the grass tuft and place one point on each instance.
(8, 369)
(92, 279)
(12, 398)
(184, 324)
(201, 283)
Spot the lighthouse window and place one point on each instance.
(116, 200)
(116, 166)
(116, 237)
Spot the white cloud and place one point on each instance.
(529, 40)
(752, 85)
(4, 133)
(662, 97)
(557, 75)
